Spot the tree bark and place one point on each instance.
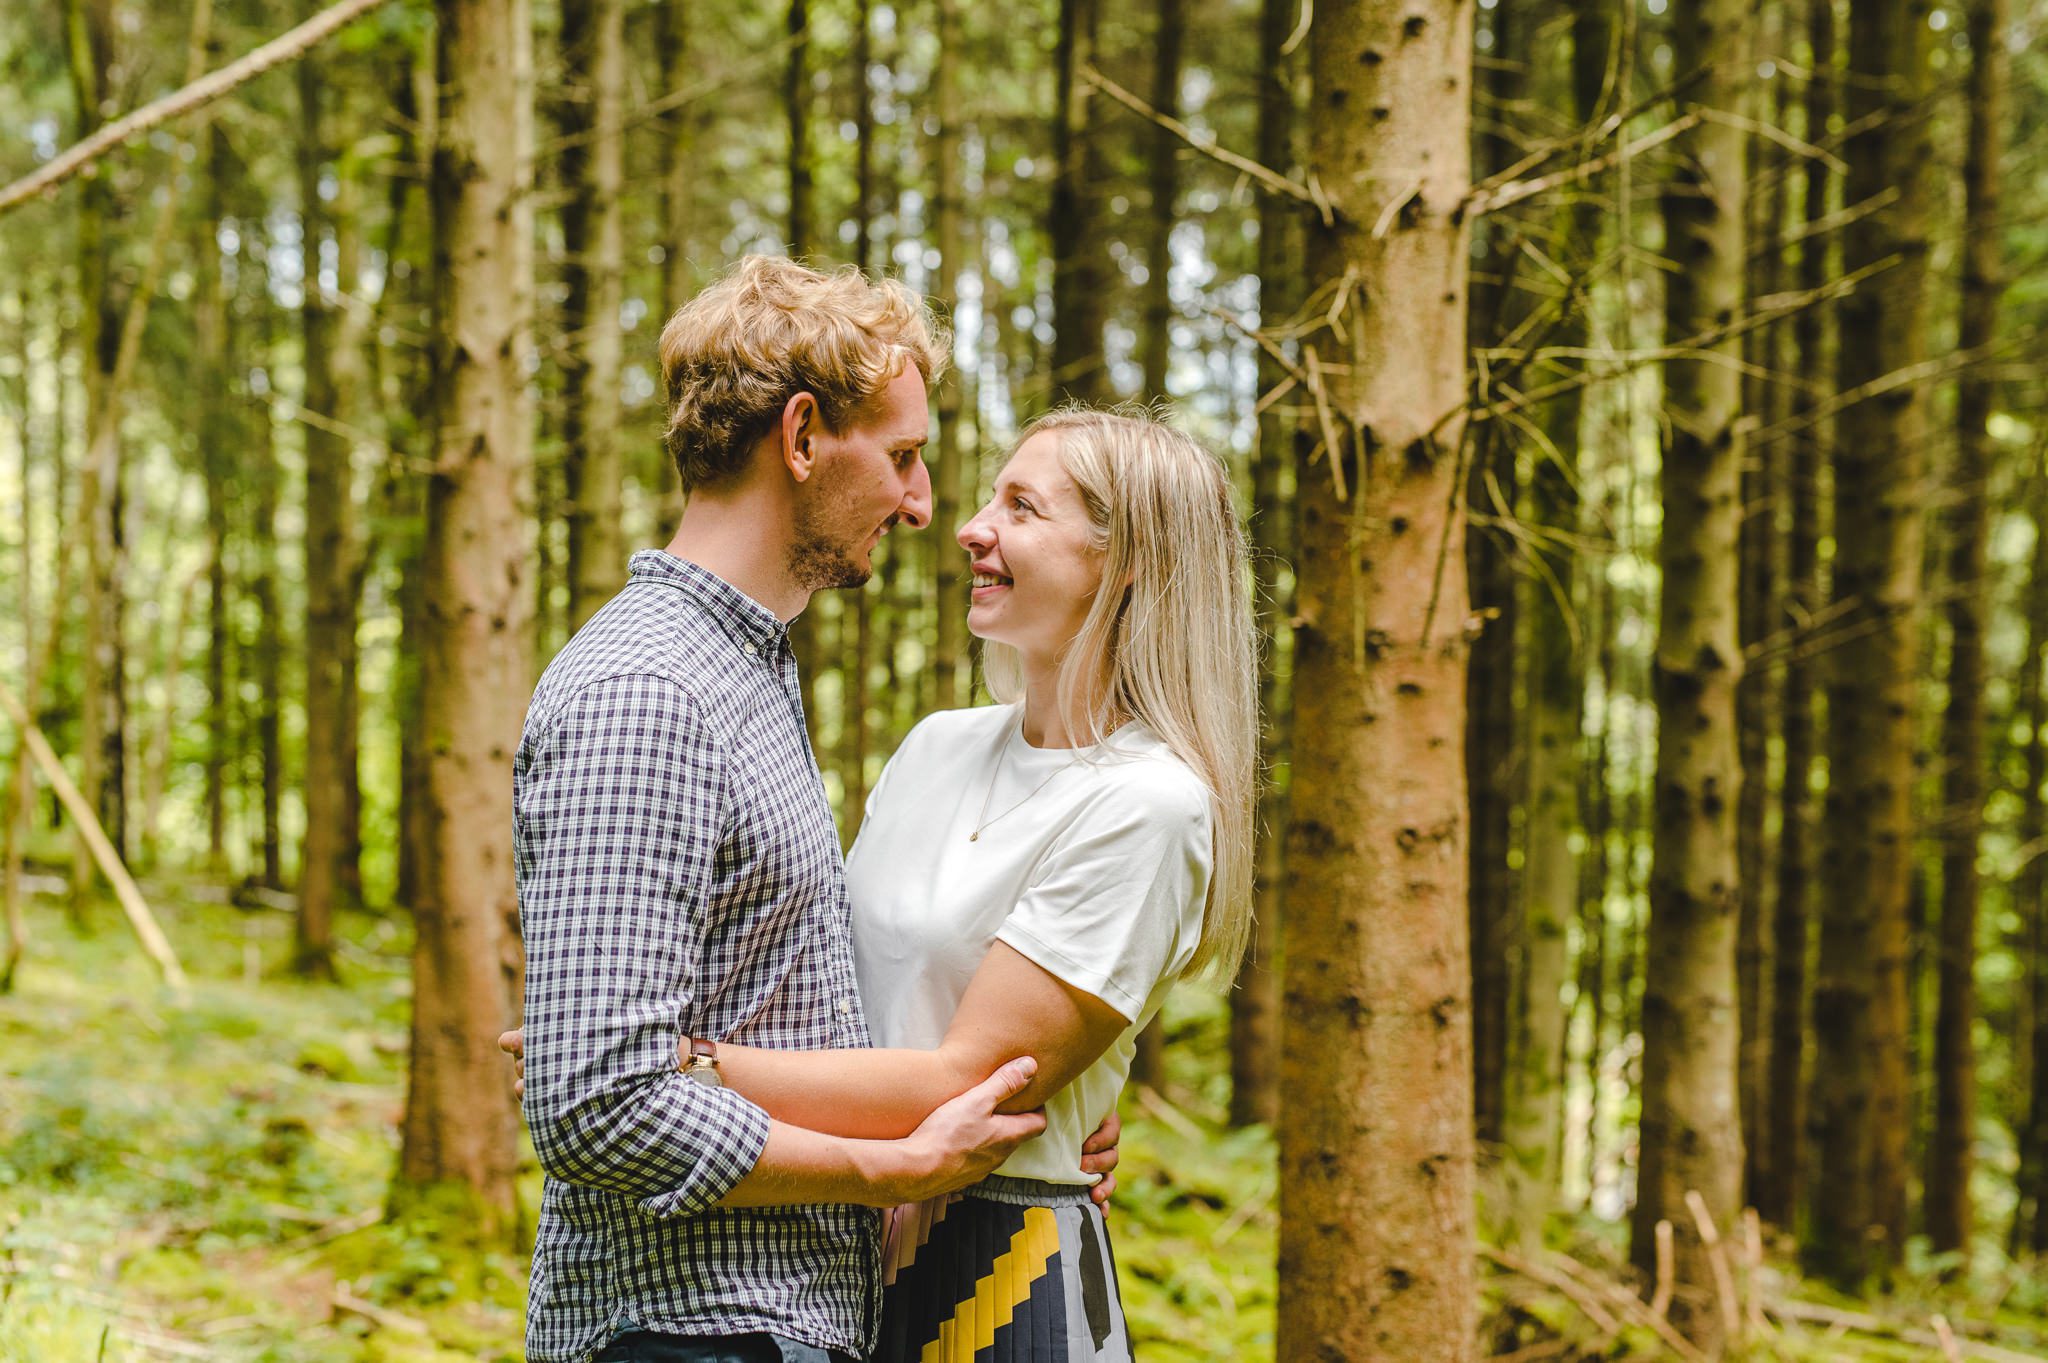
(460, 1123)
(1860, 1099)
(1163, 173)
(1947, 1193)
(1690, 1137)
(1377, 1222)
(1255, 1006)
(1781, 1184)
(1079, 281)
(593, 242)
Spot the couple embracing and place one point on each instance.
(737, 1048)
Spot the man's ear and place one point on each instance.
(800, 426)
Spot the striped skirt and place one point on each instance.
(1009, 1271)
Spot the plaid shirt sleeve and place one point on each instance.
(621, 804)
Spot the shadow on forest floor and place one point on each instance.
(207, 1181)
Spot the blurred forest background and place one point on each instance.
(1641, 415)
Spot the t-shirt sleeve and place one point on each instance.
(1116, 904)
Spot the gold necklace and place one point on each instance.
(982, 821)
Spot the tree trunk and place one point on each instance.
(330, 539)
(593, 241)
(1254, 1007)
(853, 691)
(2030, 892)
(15, 828)
(1533, 1126)
(89, 33)
(1955, 1057)
(1377, 1223)
(209, 324)
(1163, 173)
(1079, 281)
(1861, 1113)
(461, 1125)
(950, 583)
(678, 180)
(1690, 1137)
(796, 112)
(1757, 549)
(1780, 1187)
(268, 647)
(1491, 760)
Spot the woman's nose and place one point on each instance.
(974, 535)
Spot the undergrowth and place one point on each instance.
(207, 1180)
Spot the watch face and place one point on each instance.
(703, 1073)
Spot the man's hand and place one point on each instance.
(1098, 1155)
(964, 1140)
(513, 1043)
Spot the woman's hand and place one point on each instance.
(1098, 1154)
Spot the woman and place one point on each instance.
(1032, 877)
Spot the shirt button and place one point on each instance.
(752, 648)
(845, 1005)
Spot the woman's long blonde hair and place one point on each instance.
(1176, 649)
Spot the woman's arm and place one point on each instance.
(1012, 1007)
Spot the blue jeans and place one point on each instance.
(650, 1346)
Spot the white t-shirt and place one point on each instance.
(1092, 862)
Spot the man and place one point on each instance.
(679, 875)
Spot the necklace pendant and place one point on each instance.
(975, 836)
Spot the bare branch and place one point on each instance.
(1206, 144)
(197, 94)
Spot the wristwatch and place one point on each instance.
(702, 1066)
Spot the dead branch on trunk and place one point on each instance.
(197, 94)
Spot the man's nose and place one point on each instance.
(916, 508)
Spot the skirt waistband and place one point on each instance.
(1028, 1192)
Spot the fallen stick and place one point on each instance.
(132, 903)
(345, 1300)
(1842, 1322)
(1717, 1259)
(1588, 1304)
(1634, 1307)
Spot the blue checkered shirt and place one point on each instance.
(679, 875)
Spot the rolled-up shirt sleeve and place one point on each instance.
(621, 800)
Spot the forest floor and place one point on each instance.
(207, 1181)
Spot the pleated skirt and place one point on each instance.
(1008, 1271)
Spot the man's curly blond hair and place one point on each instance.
(770, 328)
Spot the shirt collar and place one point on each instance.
(747, 620)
